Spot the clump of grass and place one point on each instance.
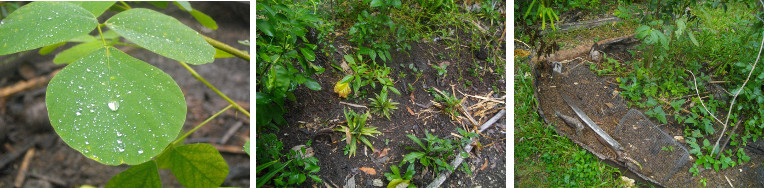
(383, 105)
(356, 131)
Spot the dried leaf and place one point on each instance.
(369, 171)
(485, 164)
(381, 153)
(342, 88)
(410, 111)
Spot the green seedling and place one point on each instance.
(434, 154)
(397, 179)
(383, 105)
(356, 131)
(441, 70)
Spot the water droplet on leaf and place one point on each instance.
(113, 105)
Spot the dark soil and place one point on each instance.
(24, 121)
(314, 114)
(640, 138)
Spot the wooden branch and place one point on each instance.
(26, 85)
(23, 170)
(456, 162)
(353, 105)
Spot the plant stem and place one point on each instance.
(201, 124)
(101, 34)
(198, 77)
(226, 48)
(123, 3)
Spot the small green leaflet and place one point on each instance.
(144, 175)
(163, 35)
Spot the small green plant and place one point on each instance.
(356, 131)
(434, 154)
(365, 74)
(383, 105)
(667, 148)
(450, 103)
(441, 70)
(542, 11)
(397, 179)
(283, 169)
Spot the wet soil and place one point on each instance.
(601, 101)
(314, 114)
(24, 123)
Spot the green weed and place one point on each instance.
(356, 131)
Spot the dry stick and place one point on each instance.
(23, 170)
(230, 132)
(27, 85)
(729, 137)
(456, 162)
(353, 105)
(53, 180)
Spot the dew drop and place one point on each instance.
(121, 150)
(78, 113)
(119, 141)
(113, 105)
(140, 151)
(119, 134)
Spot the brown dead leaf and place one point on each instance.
(382, 153)
(410, 111)
(412, 98)
(348, 136)
(485, 164)
(369, 171)
(610, 105)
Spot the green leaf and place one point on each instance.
(265, 27)
(416, 140)
(95, 7)
(159, 4)
(198, 165)
(312, 84)
(184, 5)
(114, 108)
(139, 176)
(76, 52)
(39, 24)
(47, 49)
(692, 38)
(222, 54)
(413, 155)
(349, 59)
(308, 54)
(163, 35)
(83, 38)
(205, 20)
(376, 3)
(246, 147)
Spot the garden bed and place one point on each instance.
(645, 143)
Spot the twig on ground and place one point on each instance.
(728, 181)
(26, 85)
(729, 137)
(229, 149)
(456, 162)
(7, 159)
(23, 169)
(53, 180)
(230, 132)
(353, 105)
